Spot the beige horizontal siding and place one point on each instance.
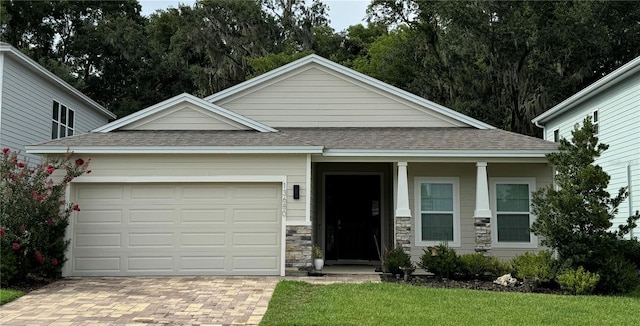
(313, 96)
(185, 117)
(291, 166)
(466, 172)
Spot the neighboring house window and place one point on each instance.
(512, 212)
(596, 121)
(62, 121)
(556, 135)
(439, 211)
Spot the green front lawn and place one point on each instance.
(300, 303)
(9, 295)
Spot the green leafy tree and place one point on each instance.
(574, 217)
(34, 215)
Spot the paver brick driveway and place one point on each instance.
(144, 301)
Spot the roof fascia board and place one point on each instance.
(590, 91)
(4, 47)
(318, 158)
(185, 97)
(355, 75)
(435, 153)
(175, 149)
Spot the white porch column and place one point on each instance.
(482, 213)
(402, 201)
(403, 212)
(482, 192)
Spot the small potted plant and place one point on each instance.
(318, 258)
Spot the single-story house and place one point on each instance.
(245, 181)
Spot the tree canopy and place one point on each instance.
(502, 62)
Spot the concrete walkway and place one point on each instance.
(153, 300)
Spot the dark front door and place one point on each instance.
(352, 217)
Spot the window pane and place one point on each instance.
(62, 132)
(54, 130)
(55, 111)
(71, 118)
(512, 197)
(69, 132)
(437, 227)
(437, 197)
(63, 114)
(595, 116)
(513, 228)
(556, 135)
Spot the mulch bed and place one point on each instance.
(30, 284)
(475, 284)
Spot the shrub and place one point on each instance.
(473, 265)
(396, 258)
(578, 281)
(575, 214)
(34, 215)
(8, 263)
(542, 266)
(498, 267)
(440, 260)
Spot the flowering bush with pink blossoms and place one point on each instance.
(34, 215)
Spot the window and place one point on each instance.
(556, 135)
(596, 121)
(62, 121)
(438, 206)
(512, 212)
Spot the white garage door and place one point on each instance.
(176, 229)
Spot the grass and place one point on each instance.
(299, 303)
(9, 295)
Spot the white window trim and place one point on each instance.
(417, 181)
(494, 209)
(553, 135)
(596, 123)
(66, 125)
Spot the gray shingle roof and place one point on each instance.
(330, 138)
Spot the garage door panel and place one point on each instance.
(204, 192)
(153, 192)
(248, 263)
(97, 240)
(216, 264)
(98, 215)
(255, 215)
(207, 216)
(177, 229)
(102, 265)
(245, 239)
(101, 192)
(199, 239)
(150, 264)
(151, 216)
(154, 240)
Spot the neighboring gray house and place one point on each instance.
(246, 180)
(613, 102)
(36, 105)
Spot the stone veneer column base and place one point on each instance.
(403, 233)
(298, 247)
(482, 226)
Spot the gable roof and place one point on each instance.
(372, 82)
(185, 98)
(361, 142)
(590, 91)
(40, 70)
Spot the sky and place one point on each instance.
(342, 13)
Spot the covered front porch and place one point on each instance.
(360, 209)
